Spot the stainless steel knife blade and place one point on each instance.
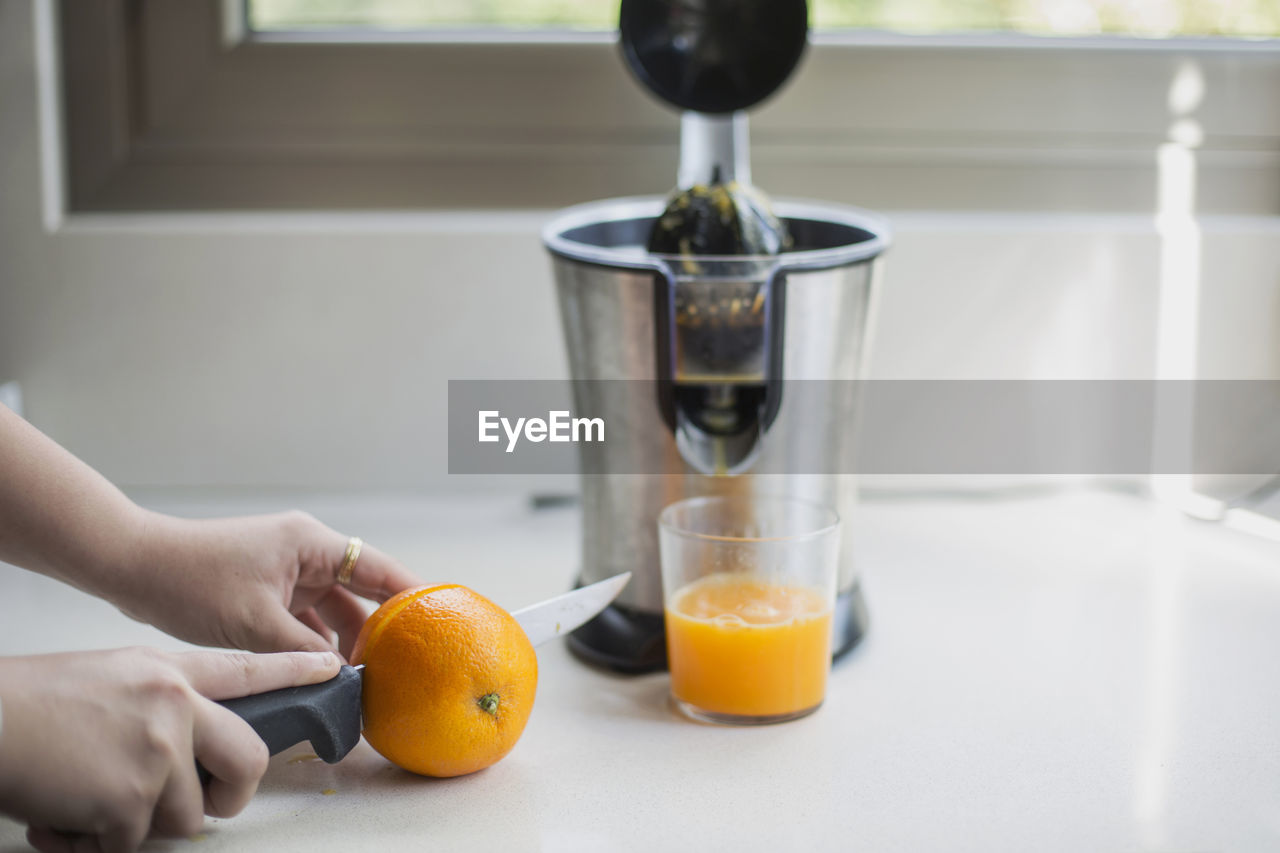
(560, 615)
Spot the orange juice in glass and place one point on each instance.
(749, 585)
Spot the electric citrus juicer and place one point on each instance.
(722, 308)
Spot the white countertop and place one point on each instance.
(1074, 671)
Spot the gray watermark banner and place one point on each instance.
(1069, 427)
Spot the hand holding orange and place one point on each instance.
(449, 680)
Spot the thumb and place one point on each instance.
(219, 675)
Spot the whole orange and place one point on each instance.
(449, 680)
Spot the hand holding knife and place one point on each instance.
(329, 714)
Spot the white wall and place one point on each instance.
(313, 350)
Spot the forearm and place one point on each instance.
(58, 516)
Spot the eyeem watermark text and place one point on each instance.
(559, 426)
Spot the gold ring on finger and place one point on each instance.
(354, 544)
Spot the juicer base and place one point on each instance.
(633, 642)
(622, 639)
(851, 621)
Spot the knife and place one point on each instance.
(329, 714)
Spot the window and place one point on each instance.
(1048, 17)
(185, 106)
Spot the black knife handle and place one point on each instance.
(327, 714)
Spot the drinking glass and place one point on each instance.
(748, 589)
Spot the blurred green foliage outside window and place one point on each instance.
(1146, 18)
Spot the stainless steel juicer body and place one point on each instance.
(722, 414)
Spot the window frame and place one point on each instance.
(176, 107)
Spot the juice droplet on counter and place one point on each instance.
(198, 837)
(306, 756)
(329, 792)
